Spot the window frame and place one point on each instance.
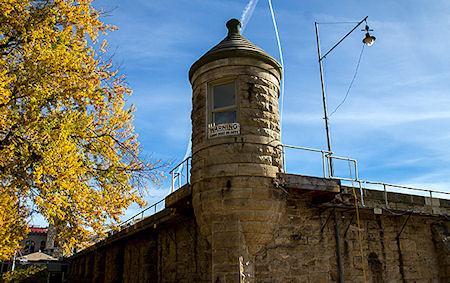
(210, 100)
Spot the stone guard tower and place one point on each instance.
(241, 219)
(236, 151)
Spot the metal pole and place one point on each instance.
(187, 171)
(337, 236)
(324, 98)
(385, 196)
(14, 262)
(431, 200)
(361, 192)
(323, 164)
(173, 181)
(342, 39)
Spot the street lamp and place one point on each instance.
(368, 40)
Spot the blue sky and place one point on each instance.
(395, 121)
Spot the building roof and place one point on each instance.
(234, 45)
(38, 230)
(37, 256)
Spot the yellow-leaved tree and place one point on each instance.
(68, 149)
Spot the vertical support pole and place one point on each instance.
(385, 196)
(338, 247)
(14, 261)
(323, 165)
(431, 201)
(324, 97)
(361, 192)
(187, 170)
(173, 181)
(330, 166)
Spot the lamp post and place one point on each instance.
(368, 40)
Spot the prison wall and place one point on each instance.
(403, 243)
(406, 241)
(168, 249)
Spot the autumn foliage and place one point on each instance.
(68, 149)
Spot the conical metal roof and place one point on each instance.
(234, 45)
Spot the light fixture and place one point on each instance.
(368, 40)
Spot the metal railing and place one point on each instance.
(180, 174)
(432, 194)
(328, 157)
(148, 211)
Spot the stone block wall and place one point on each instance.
(232, 176)
(167, 253)
(303, 248)
(405, 242)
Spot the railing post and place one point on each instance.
(187, 170)
(431, 200)
(323, 164)
(173, 181)
(385, 196)
(329, 161)
(361, 192)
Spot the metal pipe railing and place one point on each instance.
(326, 170)
(140, 215)
(385, 185)
(327, 156)
(177, 176)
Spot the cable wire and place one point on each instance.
(351, 83)
(280, 51)
(358, 219)
(337, 23)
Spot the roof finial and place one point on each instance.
(234, 26)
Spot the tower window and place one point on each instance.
(223, 103)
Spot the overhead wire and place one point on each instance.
(280, 51)
(351, 82)
(246, 15)
(336, 23)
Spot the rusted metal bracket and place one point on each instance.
(404, 224)
(326, 222)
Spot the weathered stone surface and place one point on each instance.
(397, 245)
(173, 251)
(232, 177)
(241, 220)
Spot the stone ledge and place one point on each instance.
(307, 183)
(179, 197)
(149, 222)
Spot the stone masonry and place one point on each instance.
(407, 242)
(242, 219)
